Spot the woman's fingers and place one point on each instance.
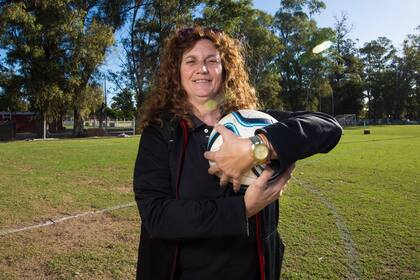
(224, 180)
(224, 132)
(262, 180)
(234, 156)
(236, 184)
(210, 155)
(280, 184)
(258, 193)
(261, 193)
(214, 170)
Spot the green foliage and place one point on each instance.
(226, 15)
(55, 49)
(410, 77)
(10, 93)
(268, 87)
(303, 74)
(377, 56)
(123, 104)
(31, 40)
(254, 29)
(262, 47)
(345, 73)
(149, 26)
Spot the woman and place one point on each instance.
(192, 228)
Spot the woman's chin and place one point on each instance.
(203, 97)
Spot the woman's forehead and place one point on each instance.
(202, 47)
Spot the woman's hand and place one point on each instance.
(233, 159)
(261, 193)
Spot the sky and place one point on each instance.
(369, 19)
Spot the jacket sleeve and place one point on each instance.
(166, 217)
(299, 135)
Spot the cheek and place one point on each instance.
(218, 72)
(186, 73)
(184, 76)
(182, 73)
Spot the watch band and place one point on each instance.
(256, 140)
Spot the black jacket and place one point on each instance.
(166, 218)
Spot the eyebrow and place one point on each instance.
(207, 57)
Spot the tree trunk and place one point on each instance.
(78, 125)
(56, 125)
(137, 116)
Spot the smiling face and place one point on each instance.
(201, 72)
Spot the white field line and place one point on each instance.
(353, 265)
(62, 219)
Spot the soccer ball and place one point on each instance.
(242, 123)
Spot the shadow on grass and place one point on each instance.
(379, 140)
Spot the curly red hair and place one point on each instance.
(168, 98)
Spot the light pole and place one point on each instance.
(106, 105)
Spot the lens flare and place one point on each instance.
(321, 47)
(211, 105)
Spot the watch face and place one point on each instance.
(261, 152)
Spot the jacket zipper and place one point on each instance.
(181, 161)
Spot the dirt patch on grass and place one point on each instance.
(125, 188)
(102, 246)
(100, 183)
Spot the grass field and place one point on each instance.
(352, 213)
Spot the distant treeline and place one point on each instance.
(53, 51)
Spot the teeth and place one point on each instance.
(202, 81)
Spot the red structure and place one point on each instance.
(13, 125)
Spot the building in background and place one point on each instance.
(18, 125)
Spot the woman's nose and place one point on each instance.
(202, 67)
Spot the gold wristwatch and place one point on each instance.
(260, 151)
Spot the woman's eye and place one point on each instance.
(190, 62)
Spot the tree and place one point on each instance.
(150, 23)
(55, 47)
(303, 74)
(11, 99)
(226, 15)
(411, 75)
(123, 104)
(262, 47)
(32, 53)
(153, 21)
(345, 72)
(88, 42)
(254, 29)
(377, 56)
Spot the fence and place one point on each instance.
(110, 127)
